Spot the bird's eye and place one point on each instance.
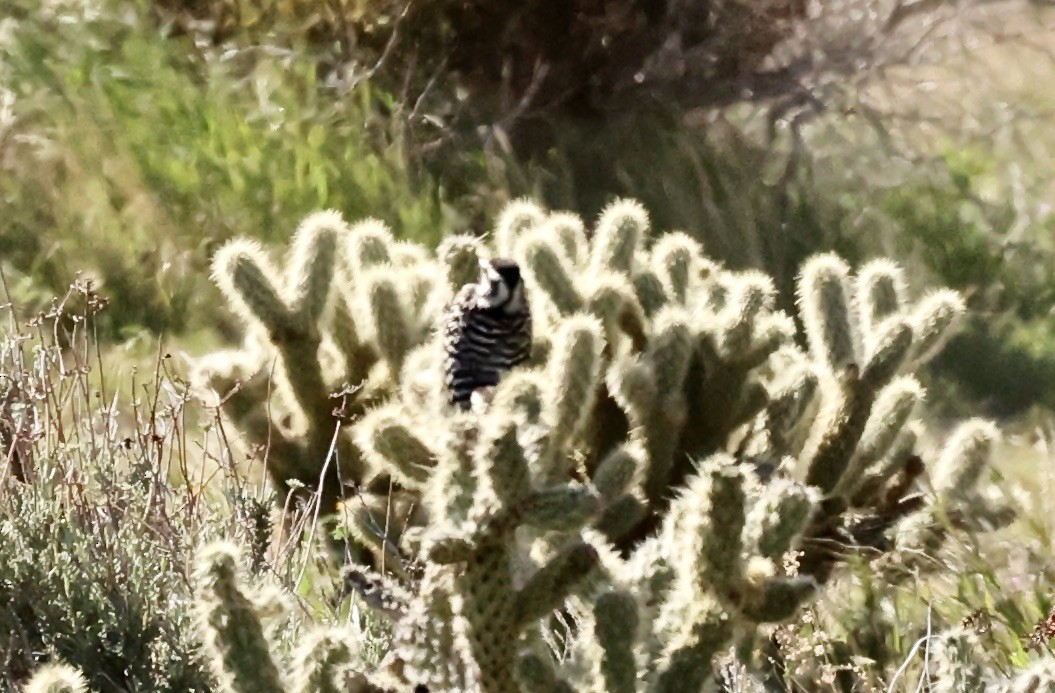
(494, 286)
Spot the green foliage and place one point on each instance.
(133, 163)
(949, 230)
(106, 617)
(677, 456)
(553, 60)
(990, 239)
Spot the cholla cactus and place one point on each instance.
(327, 336)
(646, 474)
(1037, 678)
(954, 667)
(57, 678)
(231, 620)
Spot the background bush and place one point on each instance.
(131, 155)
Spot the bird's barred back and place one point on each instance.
(481, 345)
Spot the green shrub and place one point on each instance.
(95, 539)
(77, 588)
(134, 162)
(998, 252)
(107, 489)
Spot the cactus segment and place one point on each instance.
(619, 233)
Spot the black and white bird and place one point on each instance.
(487, 331)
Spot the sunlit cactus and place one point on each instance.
(613, 300)
(570, 232)
(647, 473)
(234, 637)
(460, 256)
(384, 306)
(57, 678)
(650, 291)
(692, 636)
(790, 398)
(677, 259)
(325, 662)
(576, 363)
(722, 503)
(1039, 677)
(780, 516)
(390, 444)
(232, 621)
(879, 292)
(933, 321)
(367, 244)
(965, 457)
(890, 415)
(825, 303)
(546, 265)
(620, 230)
(536, 675)
(244, 273)
(519, 217)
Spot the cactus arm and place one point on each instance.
(234, 638)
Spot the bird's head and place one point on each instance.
(500, 286)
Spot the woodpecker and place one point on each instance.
(487, 331)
